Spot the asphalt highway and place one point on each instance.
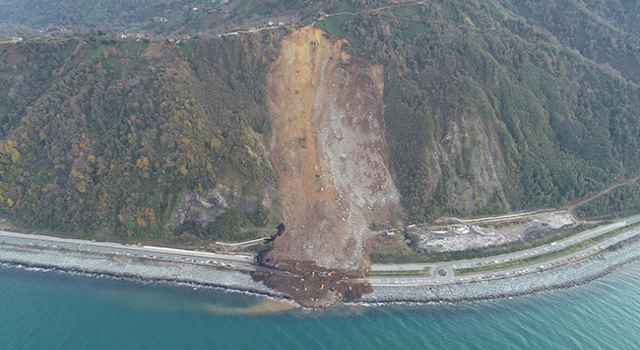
(231, 261)
(448, 267)
(245, 261)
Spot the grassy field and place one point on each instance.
(407, 11)
(418, 273)
(542, 258)
(382, 258)
(239, 6)
(346, 7)
(261, 10)
(414, 28)
(396, 251)
(147, 14)
(497, 9)
(188, 47)
(95, 17)
(69, 50)
(334, 24)
(98, 51)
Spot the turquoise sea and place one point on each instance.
(47, 310)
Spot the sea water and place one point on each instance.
(50, 310)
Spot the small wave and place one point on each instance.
(144, 280)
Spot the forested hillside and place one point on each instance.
(488, 112)
(153, 17)
(490, 106)
(621, 202)
(108, 138)
(605, 31)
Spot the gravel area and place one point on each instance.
(565, 276)
(131, 268)
(458, 237)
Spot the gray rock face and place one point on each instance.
(203, 210)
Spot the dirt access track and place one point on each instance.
(330, 152)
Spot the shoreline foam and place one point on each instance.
(131, 269)
(137, 270)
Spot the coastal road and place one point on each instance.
(449, 279)
(233, 261)
(240, 261)
(496, 260)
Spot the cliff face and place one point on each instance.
(330, 152)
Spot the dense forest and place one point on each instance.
(491, 106)
(461, 74)
(107, 137)
(623, 201)
(605, 31)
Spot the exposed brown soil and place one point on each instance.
(330, 153)
(155, 50)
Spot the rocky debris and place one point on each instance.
(201, 209)
(314, 287)
(535, 230)
(458, 242)
(556, 222)
(480, 235)
(205, 209)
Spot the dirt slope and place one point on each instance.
(330, 153)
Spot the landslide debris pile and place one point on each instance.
(397, 110)
(314, 287)
(330, 152)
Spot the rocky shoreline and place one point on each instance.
(131, 268)
(148, 270)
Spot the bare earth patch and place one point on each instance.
(330, 153)
(154, 50)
